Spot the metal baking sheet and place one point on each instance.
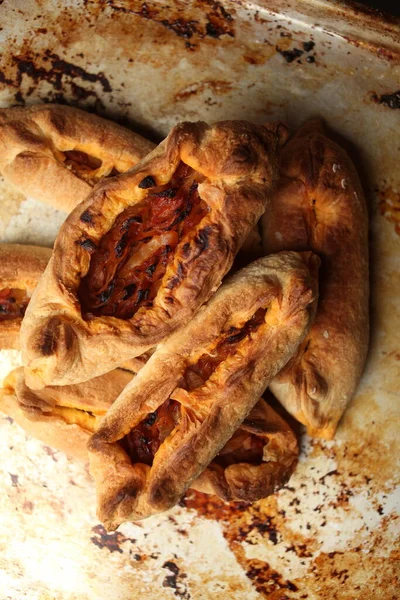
(333, 532)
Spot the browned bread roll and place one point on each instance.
(57, 153)
(319, 205)
(20, 269)
(258, 459)
(199, 386)
(62, 417)
(138, 258)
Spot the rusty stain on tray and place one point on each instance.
(217, 21)
(111, 541)
(389, 100)
(218, 87)
(331, 533)
(49, 67)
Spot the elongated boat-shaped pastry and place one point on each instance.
(56, 154)
(20, 269)
(139, 257)
(319, 205)
(200, 385)
(255, 462)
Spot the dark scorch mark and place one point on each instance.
(111, 541)
(86, 217)
(389, 100)
(87, 245)
(171, 581)
(290, 55)
(147, 182)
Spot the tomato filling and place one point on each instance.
(127, 266)
(81, 164)
(13, 303)
(144, 440)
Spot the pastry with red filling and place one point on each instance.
(257, 460)
(137, 259)
(20, 269)
(56, 154)
(195, 391)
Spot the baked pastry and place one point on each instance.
(62, 417)
(57, 153)
(319, 205)
(256, 462)
(198, 387)
(258, 459)
(146, 249)
(20, 269)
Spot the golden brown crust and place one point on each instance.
(135, 364)
(63, 417)
(20, 267)
(319, 205)
(237, 165)
(36, 145)
(279, 286)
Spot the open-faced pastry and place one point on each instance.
(198, 387)
(20, 269)
(146, 249)
(57, 153)
(61, 417)
(319, 205)
(255, 462)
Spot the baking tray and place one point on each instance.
(333, 532)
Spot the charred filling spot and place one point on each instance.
(81, 164)
(13, 303)
(243, 447)
(86, 217)
(147, 182)
(87, 245)
(131, 259)
(196, 375)
(142, 443)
